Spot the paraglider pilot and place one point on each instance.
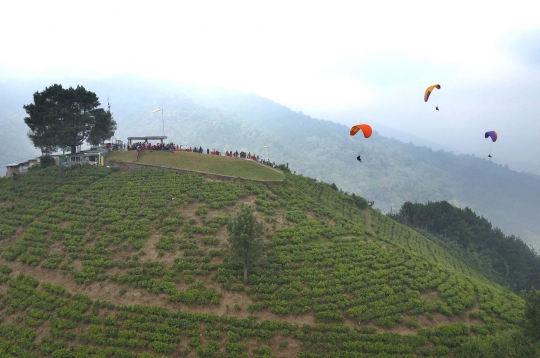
(366, 130)
(493, 136)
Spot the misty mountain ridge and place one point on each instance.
(391, 173)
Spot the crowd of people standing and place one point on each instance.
(139, 146)
(149, 146)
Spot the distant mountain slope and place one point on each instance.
(391, 173)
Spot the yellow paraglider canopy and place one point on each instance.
(429, 90)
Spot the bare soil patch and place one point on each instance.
(437, 320)
(273, 227)
(220, 212)
(56, 248)
(151, 252)
(189, 213)
(222, 235)
(250, 199)
(431, 295)
(399, 329)
(77, 265)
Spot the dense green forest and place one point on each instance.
(109, 262)
(392, 172)
(516, 265)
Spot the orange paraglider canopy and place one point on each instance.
(365, 128)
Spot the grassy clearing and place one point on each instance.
(235, 167)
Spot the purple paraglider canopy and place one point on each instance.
(492, 135)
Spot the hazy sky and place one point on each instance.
(347, 61)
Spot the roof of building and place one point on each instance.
(148, 137)
(16, 164)
(81, 154)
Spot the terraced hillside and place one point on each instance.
(98, 262)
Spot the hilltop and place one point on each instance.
(221, 165)
(101, 261)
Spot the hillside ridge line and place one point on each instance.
(132, 165)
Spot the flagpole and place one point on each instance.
(162, 120)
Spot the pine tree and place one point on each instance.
(245, 242)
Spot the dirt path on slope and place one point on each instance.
(110, 291)
(231, 303)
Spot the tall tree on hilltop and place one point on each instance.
(66, 118)
(245, 238)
